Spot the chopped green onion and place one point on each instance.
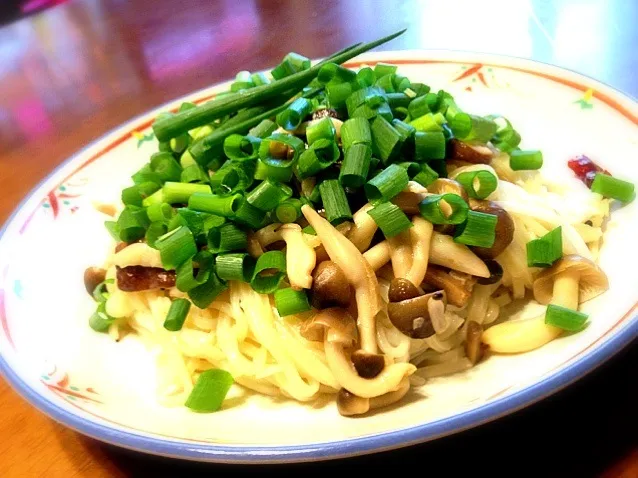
(226, 238)
(165, 166)
(334, 201)
(156, 197)
(390, 182)
(290, 118)
(398, 100)
(337, 73)
(177, 314)
(145, 174)
(366, 77)
(506, 137)
(390, 219)
(248, 215)
(292, 63)
(268, 194)
(470, 127)
(338, 93)
(370, 112)
(382, 69)
(309, 230)
(277, 156)
(225, 206)
(429, 145)
(318, 157)
(405, 130)
(159, 212)
(237, 146)
(322, 129)
(99, 293)
(100, 321)
(203, 295)
(154, 232)
(209, 391)
(546, 250)
(613, 188)
(386, 139)
(427, 175)
(355, 131)
(236, 266)
(478, 230)
(180, 143)
(113, 229)
(444, 209)
(269, 272)
(180, 193)
(411, 168)
(224, 180)
(419, 89)
(386, 82)
(259, 79)
(186, 278)
(432, 100)
(478, 184)
(290, 301)
(528, 159)
(288, 210)
(135, 195)
(193, 174)
(372, 95)
(263, 129)
(564, 318)
(426, 123)
(355, 165)
(418, 107)
(132, 223)
(176, 247)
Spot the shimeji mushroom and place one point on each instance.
(330, 287)
(349, 404)
(570, 281)
(412, 312)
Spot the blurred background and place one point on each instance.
(72, 70)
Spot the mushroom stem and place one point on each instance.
(364, 228)
(566, 289)
(401, 254)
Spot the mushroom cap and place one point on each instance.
(593, 281)
(413, 316)
(366, 364)
(330, 286)
(457, 285)
(336, 322)
(350, 404)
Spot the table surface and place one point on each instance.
(75, 71)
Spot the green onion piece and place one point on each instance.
(309, 230)
(288, 210)
(506, 137)
(193, 174)
(398, 100)
(564, 318)
(439, 118)
(154, 232)
(432, 100)
(355, 165)
(176, 247)
(426, 123)
(186, 277)
(318, 157)
(337, 73)
(439, 166)
(546, 250)
(263, 129)
(338, 93)
(478, 184)
(237, 146)
(180, 193)
(390, 182)
(613, 188)
(268, 194)
(390, 219)
(135, 195)
(528, 159)
(290, 301)
(418, 107)
(165, 166)
(100, 321)
(322, 129)
(386, 140)
(180, 143)
(370, 112)
(156, 197)
(472, 128)
(405, 130)
(132, 223)
(419, 89)
(355, 131)
(366, 77)
(444, 209)
(177, 314)
(290, 118)
(429, 145)
(427, 175)
(146, 174)
(382, 69)
(203, 295)
(277, 156)
(372, 95)
(386, 82)
(236, 266)
(292, 63)
(199, 222)
(99, 293)
(224, 180)
(225, 206)
(269, 272)
(160, 212)
(113, 229)
(411, 168)
(334, 201)
(209, 391)
(478, 230)
(259, 79)
(248, 215)
(226, 238)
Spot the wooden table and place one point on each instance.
(73, 72)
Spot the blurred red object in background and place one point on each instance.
(11, 10)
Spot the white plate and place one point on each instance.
(106, 389)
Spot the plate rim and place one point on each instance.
(551, 383)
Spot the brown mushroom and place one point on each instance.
(413, 317)
(367, 365)
(136, 278)
(470, 153)
(457, 285)
(474, 348)
(504, 228)
(496, 273)
(447, 186)
(330, 287)
(93, 276)
(350, 404)
(402, 289)
(337, 323)
(325, 112)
